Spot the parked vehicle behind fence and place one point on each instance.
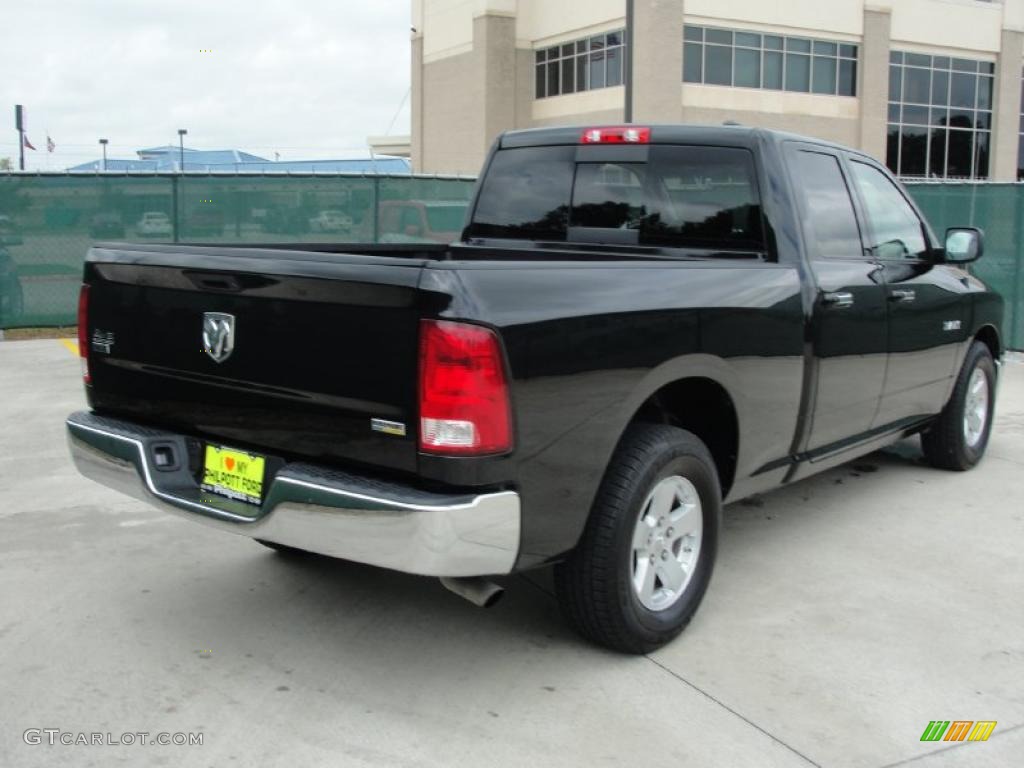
(330, 221)
(106, 225)
(415, 221)
(154, 224)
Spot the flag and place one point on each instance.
(50, 146)
(28, 144)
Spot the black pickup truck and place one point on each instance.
(637, 325)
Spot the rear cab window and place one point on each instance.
(679, 197)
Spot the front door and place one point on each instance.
(926, 310)
(848, 327)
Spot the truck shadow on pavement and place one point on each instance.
(316, 606)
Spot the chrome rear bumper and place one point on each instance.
(311, 507)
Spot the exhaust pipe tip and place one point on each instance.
(480, 592)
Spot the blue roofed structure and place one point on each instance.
(169, 159)
(386, 165)
(172, 153)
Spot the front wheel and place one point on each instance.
(958, 437)
(645, 558)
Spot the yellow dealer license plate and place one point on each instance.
(234, 474)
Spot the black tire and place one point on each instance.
(283, 549)
(945, 443)
(594, 584)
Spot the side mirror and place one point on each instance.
(963, 245)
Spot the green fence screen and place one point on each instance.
(48, 221)
(998, 209)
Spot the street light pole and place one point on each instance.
(175, 185)
(103, 143)
(19, 123)
(181, 149)
(628, 63)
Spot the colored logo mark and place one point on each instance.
(958, 730)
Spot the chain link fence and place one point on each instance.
(48, 221)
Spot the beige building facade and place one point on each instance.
(931, 87)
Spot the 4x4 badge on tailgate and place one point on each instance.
(218, 335)
(102, 341)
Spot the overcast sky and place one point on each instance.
(310, 79)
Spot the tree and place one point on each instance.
(5, 163)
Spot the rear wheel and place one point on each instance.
(958, 437)
(645, 558)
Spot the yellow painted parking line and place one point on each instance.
(72, 346)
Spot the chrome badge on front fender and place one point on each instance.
(218, 335)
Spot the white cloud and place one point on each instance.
(307, 78)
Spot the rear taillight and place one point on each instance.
(83, 332)
(616, 134)
(464, 401)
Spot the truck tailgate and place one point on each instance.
(323, 345)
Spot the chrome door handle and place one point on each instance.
(838, 299)
(902, 294)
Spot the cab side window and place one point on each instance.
(896, 231)
(829, 207)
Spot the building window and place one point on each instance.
(581, 65)
(940, 116)
(776, 62)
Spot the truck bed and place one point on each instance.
(326, 342)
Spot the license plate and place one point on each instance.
(234, 474)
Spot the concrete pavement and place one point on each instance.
(847, 611)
